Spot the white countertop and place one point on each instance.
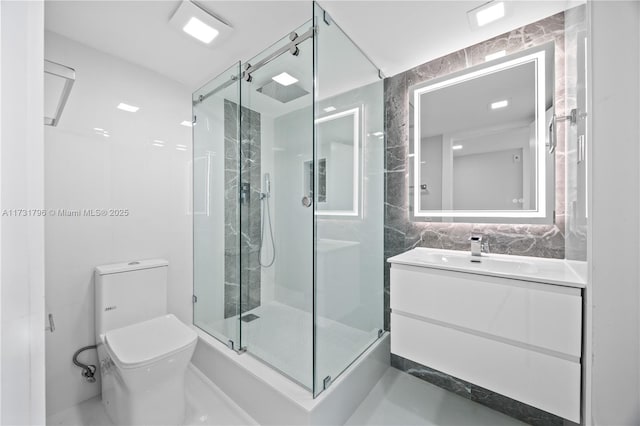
(568, 273)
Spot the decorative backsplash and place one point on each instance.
(401, 233)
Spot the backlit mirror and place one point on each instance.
(338, 153)
(480, 142)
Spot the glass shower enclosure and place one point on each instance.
(288, 204)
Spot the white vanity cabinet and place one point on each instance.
(516, 337)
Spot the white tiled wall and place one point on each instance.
(22, 249)
(84, 169)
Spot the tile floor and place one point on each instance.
(206, 405)
(398, 399)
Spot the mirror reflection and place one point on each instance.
(479, 140)
(338, 155)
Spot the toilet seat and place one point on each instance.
(146, 342)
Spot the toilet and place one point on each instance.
(143, 351)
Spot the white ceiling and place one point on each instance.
(396, 35)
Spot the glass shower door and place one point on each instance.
(216, 214)
(349, 154)
(276, 206)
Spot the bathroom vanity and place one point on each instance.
(510, 324)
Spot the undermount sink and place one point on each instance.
(553, 271)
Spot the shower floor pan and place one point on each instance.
(272, 398)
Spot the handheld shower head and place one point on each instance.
(267, 184)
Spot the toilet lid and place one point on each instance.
(146, 341)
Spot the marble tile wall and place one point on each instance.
(242, 220)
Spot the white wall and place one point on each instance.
(86, 170)
(486, 181)
(615, 213)
(209, 216)
(22, 396)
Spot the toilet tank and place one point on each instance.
(127, 293)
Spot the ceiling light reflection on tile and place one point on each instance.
(158, 142)
(329, 109)
(500, 104)
(126, 107)
(496, 55)
(456, 147)
(181, 147)
(284, 79)
(102, 132)
(187, 123)
(378, 134)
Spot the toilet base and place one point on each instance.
(153, 395)
(147, 408)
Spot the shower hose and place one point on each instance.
(266, 212)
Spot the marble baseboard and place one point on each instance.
(495, 401)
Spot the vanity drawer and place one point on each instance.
(544, 381)
(545, 316)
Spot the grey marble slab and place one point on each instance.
(498, 402)
(242, 209)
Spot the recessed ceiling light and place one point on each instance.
(496, 55)
(187, 123)
(499, 104)
(456, 147)
(487, 13)
(98, 129)
(284, 79)
(329, 109)
(128, 108)
(202, 24)
(198, 29)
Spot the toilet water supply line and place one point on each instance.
(88, 371)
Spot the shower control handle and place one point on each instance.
(307, 201)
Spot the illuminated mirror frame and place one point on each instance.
(355, 210)
(538, 58)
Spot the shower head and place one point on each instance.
(281, 93)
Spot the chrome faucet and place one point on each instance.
(478, 246)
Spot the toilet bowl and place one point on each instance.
(143, 367)
(143, 351)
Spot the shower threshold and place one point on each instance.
(272, 398)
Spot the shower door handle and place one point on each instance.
(307, 201)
